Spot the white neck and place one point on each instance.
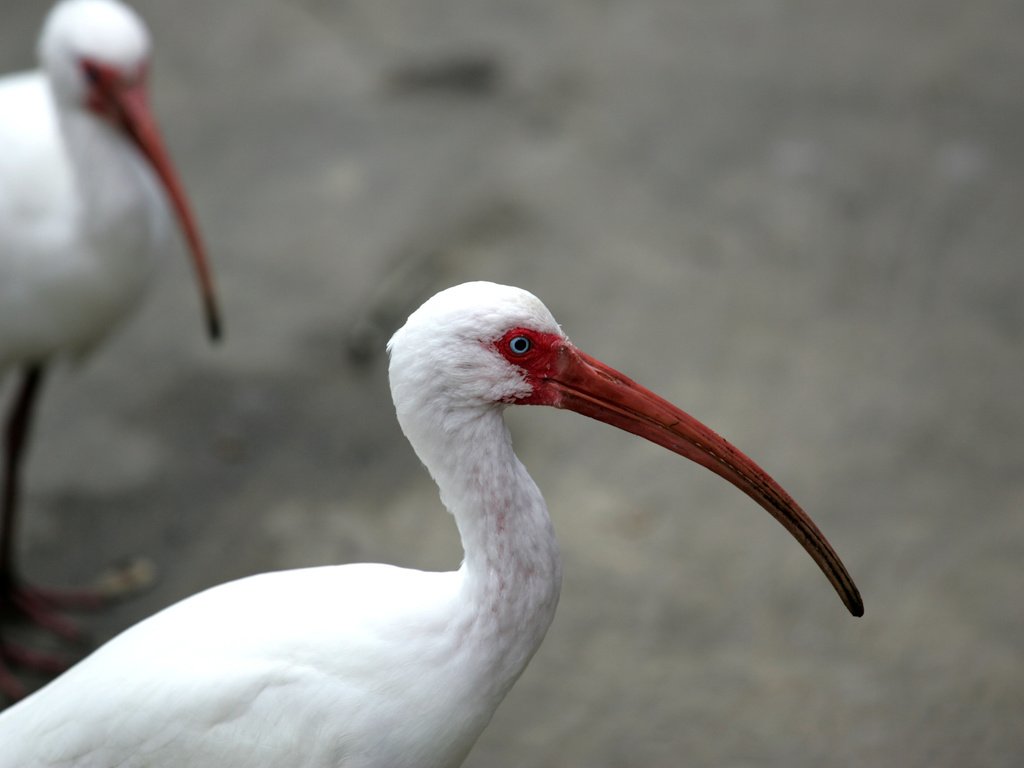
(120, 204)
(512, 573)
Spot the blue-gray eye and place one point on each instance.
(519, 345)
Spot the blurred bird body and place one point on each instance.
(81, 225)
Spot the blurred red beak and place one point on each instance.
(126, 105)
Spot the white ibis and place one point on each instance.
(373, 665)
(82, 216)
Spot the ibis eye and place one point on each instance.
(519, 345)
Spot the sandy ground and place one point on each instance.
(800, 221)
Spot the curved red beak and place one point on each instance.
(126, 105)
(578, 382)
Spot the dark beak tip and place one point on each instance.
(854, 603)
(214, 326)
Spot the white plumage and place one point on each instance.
(373, 666)
(82, 217)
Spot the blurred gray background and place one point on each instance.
(801, 221)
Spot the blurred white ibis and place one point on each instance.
(373, 665)
(82, 216)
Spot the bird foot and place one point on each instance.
(11, 688)
(18, 656)
(42, 607)
(41, 663)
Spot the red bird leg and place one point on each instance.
(40, 606)
(15, 441)
(14, 600)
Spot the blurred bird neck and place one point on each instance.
(119, 199)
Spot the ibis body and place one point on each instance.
(83, 210)
(375, 666)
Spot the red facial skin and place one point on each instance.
(564, 377)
